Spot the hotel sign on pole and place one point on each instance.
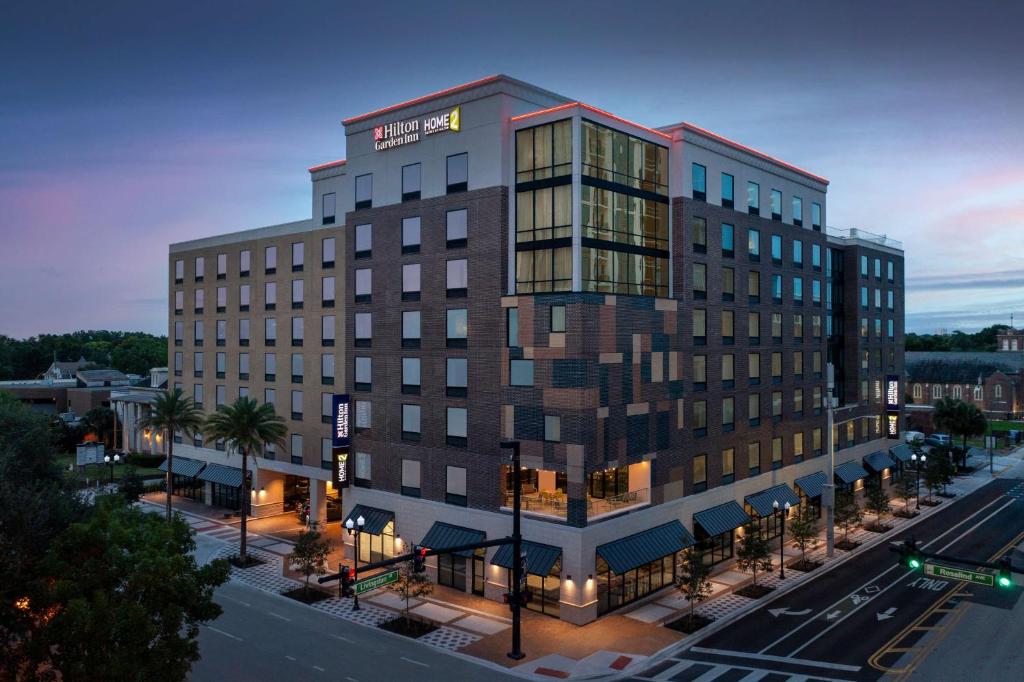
(340, 439)
(399, 133)
(892, 406)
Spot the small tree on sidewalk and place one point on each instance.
(694, 579)
(937, 473)
(877, 500)
(803, 531)
(410, 585)
(310, 555)
(753, 554)
(905, 488)
(847, 514)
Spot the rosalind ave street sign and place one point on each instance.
(987, 579)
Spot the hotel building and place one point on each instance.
(649, 311)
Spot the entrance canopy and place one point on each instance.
(763, 503)
(721, 519)
(850, 472)
(218, 473)
(901, 452)
(879, 461)
(642, 548)
(812, 485)
(376, 519)
(539, 558)
(183, 466)
(444, 535)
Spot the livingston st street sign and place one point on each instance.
(370, 584)
(986, 579)
(398, 133)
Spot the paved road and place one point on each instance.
(867, 616)
(261, 636)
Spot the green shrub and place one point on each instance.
(145, 460)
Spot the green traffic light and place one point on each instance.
(1004, 581)
(915, 563)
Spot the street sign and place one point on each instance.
(966, 575)
(370, 584)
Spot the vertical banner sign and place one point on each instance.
(892, 406)
(340, 438)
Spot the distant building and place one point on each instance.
(1010, 340)
(58, 371)
(95, 378)
(994, 382)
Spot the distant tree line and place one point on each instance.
(129, 352)
(984, 340)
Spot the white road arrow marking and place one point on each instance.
(787, 612)
(834, 614)
(887, 614)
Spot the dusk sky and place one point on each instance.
(125, 126)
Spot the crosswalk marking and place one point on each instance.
(685, 670)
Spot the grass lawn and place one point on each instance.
(101, 471)
(995, 425)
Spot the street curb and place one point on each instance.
(721, 623)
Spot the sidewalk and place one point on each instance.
(480, 628)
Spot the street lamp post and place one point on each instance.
(112, 461)
(518, 578)
(830, 485)
(360, 522)
(782, 537)
(918, 463)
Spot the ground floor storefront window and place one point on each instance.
(714, 548)
(451, 571)
(226, 496)
(617, 590)
(770, 525)
(479, 577)
(373, 548)
(187, 486)
(813, 502)
(545, 590)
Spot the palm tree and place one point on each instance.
(246, 426)
(172, 412)
(960, 419)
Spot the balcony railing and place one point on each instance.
(599, 506)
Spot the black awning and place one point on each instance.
(539, 558)
(375, 519)
(879, 461)
(218, 473)
(812, 485)
(901, 452)
(763, 503)
(721, 519)
(444, 535)
(644, 547)
(183, 466)
(850, 472)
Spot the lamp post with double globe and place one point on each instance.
(352, 530)
(116, 459)
(782, 537)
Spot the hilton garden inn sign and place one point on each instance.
(399, 133)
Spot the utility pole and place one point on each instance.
(829, 489)
(518, 575)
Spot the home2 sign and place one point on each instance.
(341, 440)
(399, 133)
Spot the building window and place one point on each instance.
(700, 281)
(244, 298)
(298, 256)
(364, 191)
(179, 271)
(776, 360)
(364, 373)
(728, 327)
(753, 198)
(364, 330)
(700, 473)
(816, 216)
(754, 457)
(327, 252)
(798, 363)
(700, 372)
(457, 327)
(297, 368)
(699, 176)
(700, 418)
(776, 327)
(754, 368)
(816, 291)
(411, 236)
(298, 294)
(545, 270)
(328, 208)
(544, 213)
(296, 448)
(521, 372)
(456, 228)
(270, 296)
(363, 471)
(728, 240)
(753, 286)
(197, 364)
(728, 414)
(512, 327)
(936, 391)
(552, 428)
(457, 377)
(298, 331)
(728, 465)
(890, 271)
(364, 240)
(458, 172)
(222, 362)
(297, 405)
(455, 488)
(728, 284)
(798, 211)
(776, 452)
(364, 285)
(816, 257)
(728, 187)
(243, 366)
(411, 282)
(327, 292)
(244, 262)
(179, 302)
(456, 426)
(699, 234)
(364, 414)
(222, 265)
(777, 249)
(199, 300)
(557, 318)
(776, 199)
(457, 278)
(798, 253)
(410, 422)
(544, 151)
(411, 376)
(754, 408)
(270, 260)
(200, 263)
(197, 394)
(728, 370)
(243, 332)
(411, 329)
(269, 331)
(798, 290)
(754, 244)
(411, 468)
(700, 327)
(615, 271)
(197, 332)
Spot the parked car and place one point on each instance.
(914, 437)
(939, 440)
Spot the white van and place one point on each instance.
(914, 437)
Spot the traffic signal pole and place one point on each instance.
(518, 570)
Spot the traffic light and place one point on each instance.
(419, 559)
(346, 581)
(910, 555)
(1004, 576)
